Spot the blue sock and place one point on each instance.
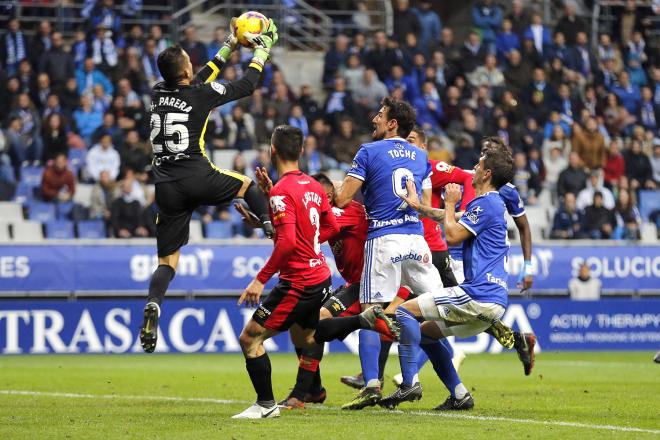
(422, 358)
(408, 345)
(369, 350)
(440, 356)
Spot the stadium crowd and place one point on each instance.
(582, 117)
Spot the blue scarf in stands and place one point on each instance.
(15, 50)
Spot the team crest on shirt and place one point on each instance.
(337, 211)
(218, 88)
(425, 259)
(473, 214)
(277, 204)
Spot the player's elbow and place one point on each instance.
(452, 241)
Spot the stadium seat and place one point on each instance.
(76, 159)
(538, 221)
(11, 211)
(83, 194)
(24, 193)
(4, 233)
(224, 158)
(41, 211)
(196, 233)
(649, 233)
(64, 210)
(649, 201)
(59, 229)
(27, 232)
(31, 176)
(219, 229)
(91, 229)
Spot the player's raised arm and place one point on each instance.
(353, 180)
(455, 232)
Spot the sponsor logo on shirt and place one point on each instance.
(443, 167)
(496, 280)
(404, 257)
(394, 221)
(218, 88)
(277, 204)
(473, 214)
(425, 260)
(315, 262)
(337, 211)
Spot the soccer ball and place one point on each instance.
(251, 21)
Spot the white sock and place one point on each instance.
(157, 306)
(460, 391)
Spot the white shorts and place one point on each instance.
(457, 314)
(457, 269)
(394, 260)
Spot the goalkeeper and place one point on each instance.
(185, 178)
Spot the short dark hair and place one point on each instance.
(402, 112)
(493, 142)
(322, 179)
(288, 142)
(170, 63)
(500, 163)
(420, 133)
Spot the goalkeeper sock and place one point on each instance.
(408, 346)
(260, 371)
(385, 346)
(160, 280)
(307, 368)
(369, 349)
(440, 357)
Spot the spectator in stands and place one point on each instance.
(519, 17)
(466, 155)
(589, 144)
(584, 287)
(487, 18)
(109, 127)
(473, 53)
(450, 49)
(554, 162)
(195, 49)
(594, 185)
(628, 93)
(54, 135)
(655, 161)
(347, 141)
(628, 217)
(407, 83)
(56, 62)
(525, 180)
(13, 47)
(41, 41)
(125, 89)
(162, 43)
(606, 51)
(599, 222)
(131, 69)
(370, 91)
(43, 90)
(429, 108)
(103, 13)
(532, 135)
(30, 128)
(517, 74)
(102, 197)
(57, 182)
(506, 40)
(103, 157)
(100, 100)
(87, 119)
(649, 111)
(405, 21)
(570, 24)
(488, 74)
(135, 39)
(339, 103)
(638, 167)
(311, 108)
(219, 35)
(313, 161)
(583, 60)
(430, 25)
(353, 73)
(266, 123)
(381, 57)
(69, 97)
(297, 119)
(240, 130)
(559, 49)
(336, 59)
(615, 165)
(150, 62)
(568, 220)
(126, 217)
(89, 76)
(539, 34)
(558, 140)
(573, 179)
(134, 154)
(104, 51)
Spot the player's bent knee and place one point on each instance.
(412, 306)
(431, 330)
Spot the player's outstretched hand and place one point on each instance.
(263, 42)
(252, 293)
(452, 193)
(263, 179)
(248, 217)
(525, 278)
(411, 197)
(230, 43)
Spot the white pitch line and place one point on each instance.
(421, 413)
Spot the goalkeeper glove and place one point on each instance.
(229, 45)
(263, 42)
(525, 272)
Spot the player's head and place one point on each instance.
(327, 185)
(495, 168)
(174, 65)
(493, 142)
(395, 118)
(286, 144)
(417, 137)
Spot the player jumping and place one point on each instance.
(303, 219)
(474, 305)
(185, 177)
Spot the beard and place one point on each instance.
(376, 136)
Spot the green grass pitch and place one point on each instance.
(569, 395)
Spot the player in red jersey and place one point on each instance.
(303, 219)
